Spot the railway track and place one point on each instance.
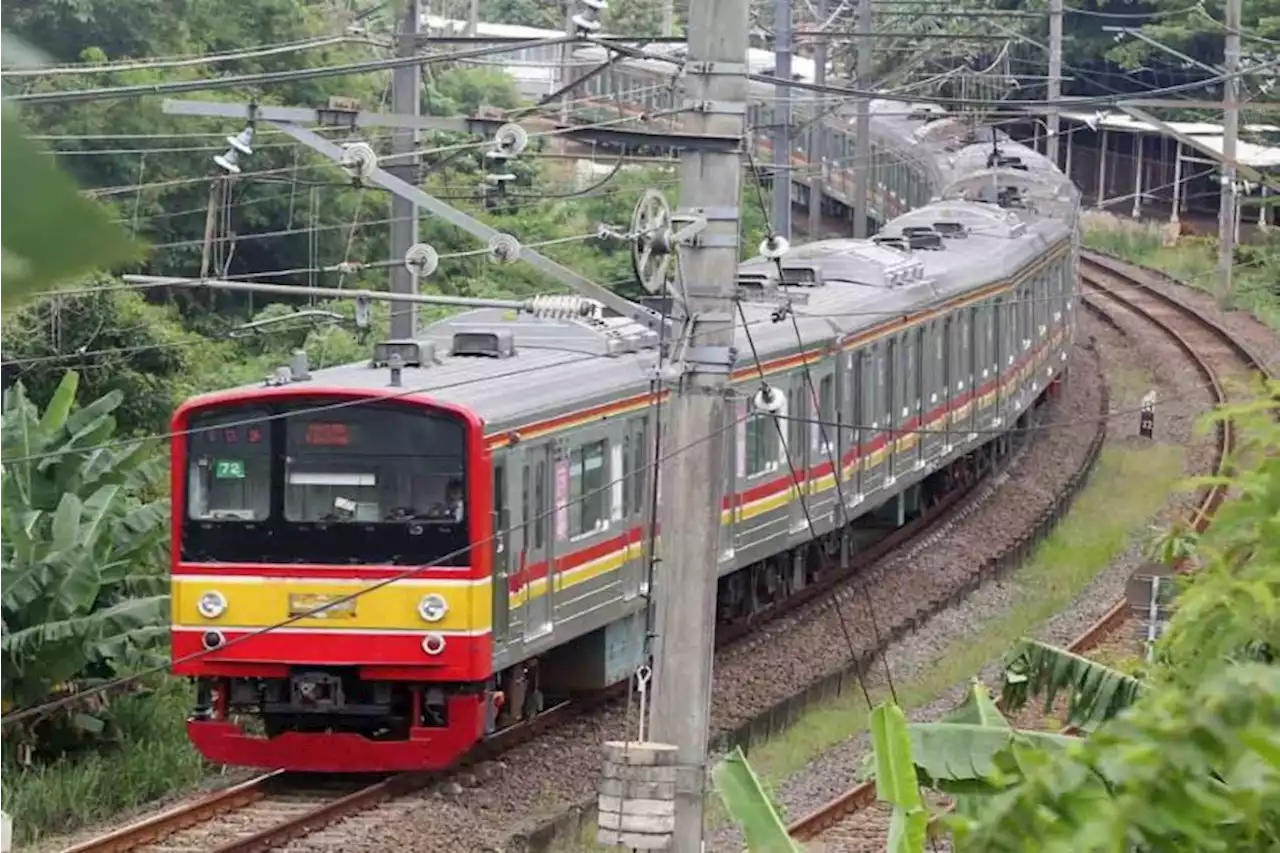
(270, 810)
(855, 821)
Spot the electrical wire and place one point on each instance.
(155, 64)
(114, 684)
(268, 77)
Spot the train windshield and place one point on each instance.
(316, 482)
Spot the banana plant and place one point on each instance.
(750, 806)
(1096, 693)
(83, 594)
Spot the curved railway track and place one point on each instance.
(1109, 286)
(270, 810)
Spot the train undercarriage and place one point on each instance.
(337, 702)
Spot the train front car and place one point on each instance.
(348, 516)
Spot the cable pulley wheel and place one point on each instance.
(504, 249)
(511, 139)
(652, 250)
(421, 260)
(359, 159)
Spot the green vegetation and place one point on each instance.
(1194, 261)
(1127, 488)
(147, 757)
(1186, 759)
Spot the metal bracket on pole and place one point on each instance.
(1247, 172)
(581, 285)
(338, 116)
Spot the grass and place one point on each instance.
(1129, 486)
(1194, 260)
(152, 758)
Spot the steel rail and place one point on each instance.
(155, 829)
(1094, 270)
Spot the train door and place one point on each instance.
(797, 449)
(822, 436)
(736, 424)
(501, 547)
(848, 440)
(535, 559)
(912, 401)
(876, 422)
(894, 406)
(933, 389)
(636, 506)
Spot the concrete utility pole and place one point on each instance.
(782, 120)
(406, 99)
(1230, 130)
(669, 18)
(816, 152)
(710, 183)
(1055, 78)
(862, 127)
(473, 18)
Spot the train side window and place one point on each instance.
(588, 497)
(502, 519)
(540, 516)
(639, 463)
(826, 413)
(884, 402)
(796, 396)
(760, 438)
(526, 508)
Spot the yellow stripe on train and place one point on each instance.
(251, 602)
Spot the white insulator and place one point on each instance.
(349, 267)
(504, 249)
(511, 139)
(598, 6)
(359, 159)
(585, 24)
(770, 401)
(566, 307)
(774, 246)
(421, 259)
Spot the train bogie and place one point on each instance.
(382, 579)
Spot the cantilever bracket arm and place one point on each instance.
(1247, 172)
(579, 284)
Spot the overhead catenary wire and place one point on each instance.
(184, 62)
(410, 572)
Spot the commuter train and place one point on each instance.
(472, 509)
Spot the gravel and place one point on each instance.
(1143, 353)
(540, 779)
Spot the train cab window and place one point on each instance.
(373, 465)
(588, 497)
(229, 466)
(370, 484)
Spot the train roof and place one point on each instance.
(548, 367)
(957, 244)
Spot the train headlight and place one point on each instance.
(212, 604)
(433, 607)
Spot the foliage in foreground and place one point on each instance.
(1186, 760)
(82, 559)
(1194, 762)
